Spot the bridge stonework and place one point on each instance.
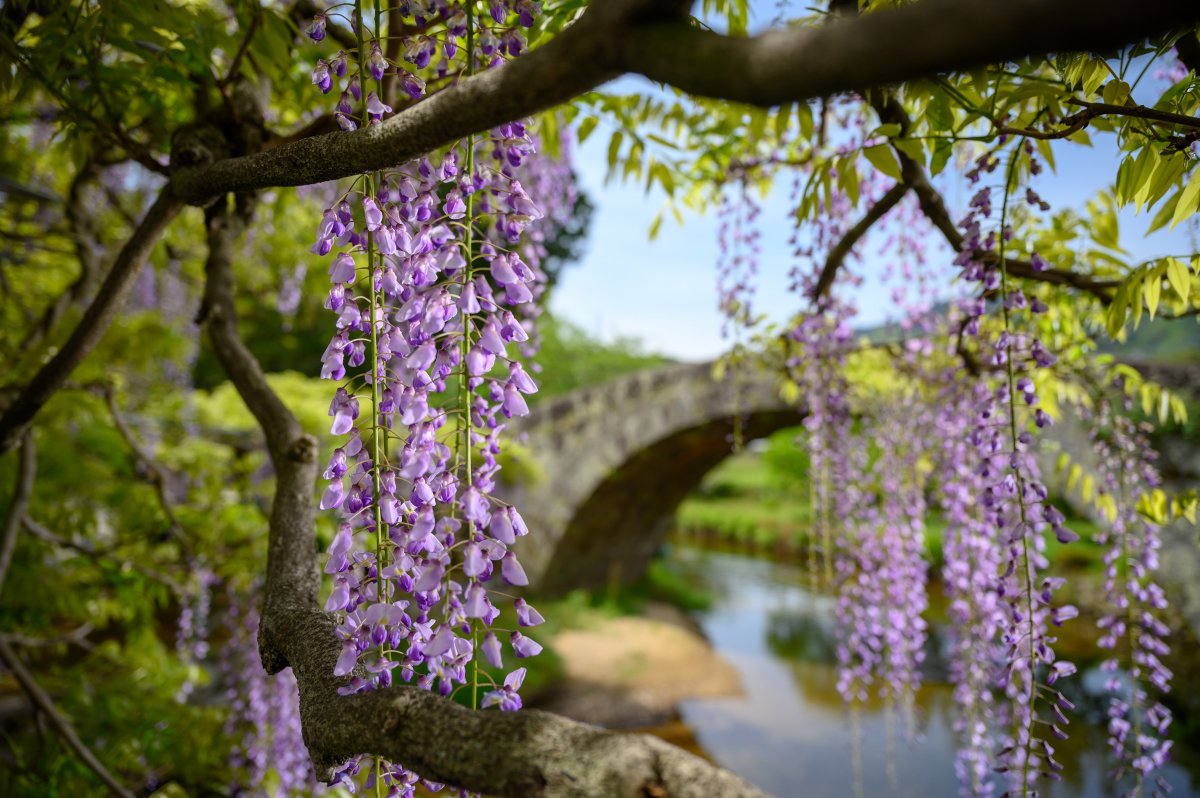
(614, 462)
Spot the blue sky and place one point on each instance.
(663, 291)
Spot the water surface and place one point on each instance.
(790, 733)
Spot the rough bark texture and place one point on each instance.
(889, 46)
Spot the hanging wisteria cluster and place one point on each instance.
(739, 249)
(1132, 627)
(972, 555)
(269, 758)
(1014, 498)
(432, 290)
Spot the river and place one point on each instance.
(790, 733)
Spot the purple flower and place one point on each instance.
(512, 571)
(321, 77)
(376, 108)
(507, 696)
(527, 615)
(316, 29)
(524, 646)
(413, 86)
(376, 63)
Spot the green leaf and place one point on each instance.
(1189, 200)
(1115, 92)
(782, 117)
(614, 150)
(1164, 214)
(806, 120)
(661, 171)
(656, 225)
(912, 148)
(586, 127)
(883, 159)
(942, 150)
(1152, 289)
(1179, 277)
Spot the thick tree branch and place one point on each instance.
(95, 322)
(837, 255)
(652, 38)
(61, 725)
(1188, 50)
(889, 46)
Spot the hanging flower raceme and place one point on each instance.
(1014, 497)
(431, 291)
(192, 633)
(269, 757)
(971, 560)
(1132, 628)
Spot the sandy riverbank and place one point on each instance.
(632, 672)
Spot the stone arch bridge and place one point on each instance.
(613, 462)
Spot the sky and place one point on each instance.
(663, 292)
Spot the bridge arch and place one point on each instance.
(615, 461)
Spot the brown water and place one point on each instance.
(790, 733)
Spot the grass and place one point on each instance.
(751, 501)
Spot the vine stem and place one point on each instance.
(376, 477)
(1130, 622)
(1026, 570)
(468, 325)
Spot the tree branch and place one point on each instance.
(61, 725)
(22, 491)
(91, 552)
(652, 38)
(1138, 111)
(890, 46)
(934, 208)
(1188, 50)
(157, 474)
(91, 328)
(837, 255)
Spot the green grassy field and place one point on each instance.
(760, 500)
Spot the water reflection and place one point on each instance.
(790, 733)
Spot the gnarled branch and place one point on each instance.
(653, 38)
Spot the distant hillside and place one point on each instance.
(571, 358)
(1176, 341)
